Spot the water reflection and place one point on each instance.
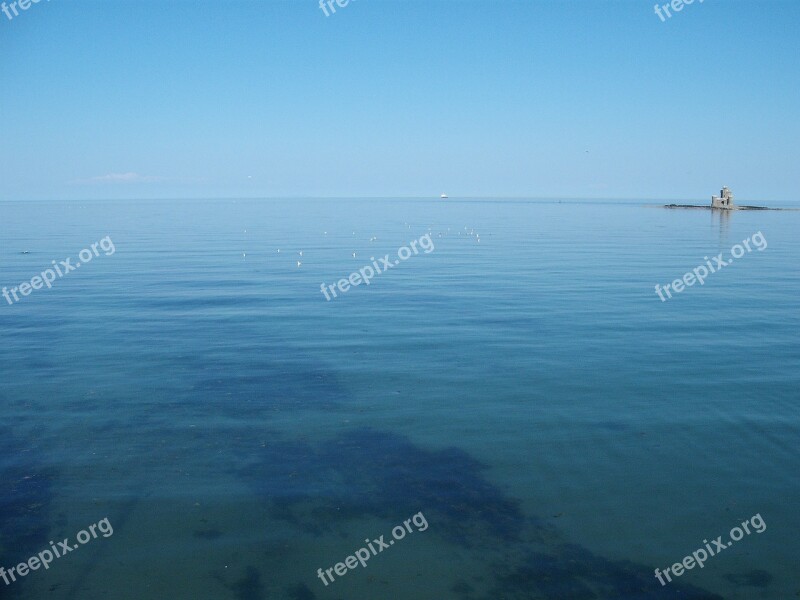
(721, 219)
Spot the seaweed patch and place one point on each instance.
(381, 474)
(25, 501)
(321, 488)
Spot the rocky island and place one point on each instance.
(722, 202)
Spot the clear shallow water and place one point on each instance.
(563, 431)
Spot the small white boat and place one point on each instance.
(443, 196)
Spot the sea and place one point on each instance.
(507, 411)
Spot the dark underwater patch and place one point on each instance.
(249, 586)
(755, 578)
(301, 592)
(25, 503)
(208, 534)
(320, 488)
(264, 384)
(462, 588)
(374, 473)
(573, 573)
(25, 496)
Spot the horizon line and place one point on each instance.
(371, 197)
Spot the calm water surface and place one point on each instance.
(562, 430)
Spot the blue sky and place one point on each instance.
(146, 99)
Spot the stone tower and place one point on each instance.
(724, 200)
